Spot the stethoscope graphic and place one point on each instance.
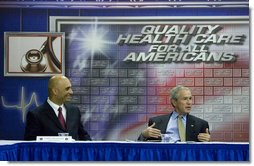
(39, 60)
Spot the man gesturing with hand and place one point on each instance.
(182, 126)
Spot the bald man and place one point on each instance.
(56, 115)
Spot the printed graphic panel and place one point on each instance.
(34, 54)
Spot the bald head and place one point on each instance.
(54, 81)
(59, 89)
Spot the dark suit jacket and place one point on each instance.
(194, 126)
(43, 122)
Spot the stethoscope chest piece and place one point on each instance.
(33, 61)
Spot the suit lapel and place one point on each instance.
(190, 127)
(68, 115)
(162, 125)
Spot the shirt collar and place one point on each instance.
(175, 114)
(53, 105)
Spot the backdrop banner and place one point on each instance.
(122, 69)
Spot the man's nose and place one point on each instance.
(71, 92)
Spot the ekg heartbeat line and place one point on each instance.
(23, 106)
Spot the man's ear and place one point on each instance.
(54, 91)
(173, 102)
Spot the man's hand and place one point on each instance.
(151, 132)
(204, 137)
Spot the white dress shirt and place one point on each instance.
(55, 108)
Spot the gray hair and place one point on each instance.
(174, 93)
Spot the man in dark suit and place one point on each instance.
(192, 128)
(56, 115)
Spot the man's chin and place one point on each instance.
(68, 99)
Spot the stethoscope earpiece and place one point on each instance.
(33, 61)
